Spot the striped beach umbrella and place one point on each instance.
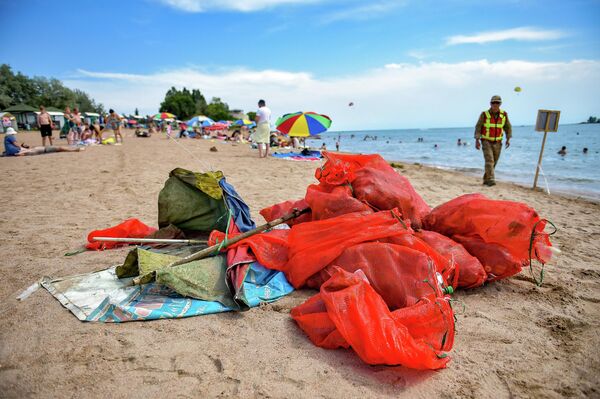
(303, 124)
(163, 115)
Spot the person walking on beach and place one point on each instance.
(68, 126)
(44, 121)
(488, 137)
(263, 128)
(113, 122)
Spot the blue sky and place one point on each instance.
(404, 63)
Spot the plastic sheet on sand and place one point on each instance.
(101, 296)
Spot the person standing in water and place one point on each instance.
(489, 132)
(263, 129)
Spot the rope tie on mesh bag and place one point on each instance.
(534, 234)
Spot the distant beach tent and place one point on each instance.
(200, 120)
(163, 116)
(303, 124)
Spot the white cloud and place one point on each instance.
(235, 5)
(521, 34)
(394, 96)
(365, 12)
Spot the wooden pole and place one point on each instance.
(149, 240)
(215, 248)
(539, 164)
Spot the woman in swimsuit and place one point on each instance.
(114, 122)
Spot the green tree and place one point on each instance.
(17, 88)
(592, 119)
(251, 115)
(179, 102)
(218, 110)
(136, 112)
(199, 101)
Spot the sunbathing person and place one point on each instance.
(13, 148)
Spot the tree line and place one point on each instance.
(593, 119)
(186, 104)
(17, 88)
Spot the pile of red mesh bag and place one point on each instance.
(385, 263)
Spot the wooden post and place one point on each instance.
(539, 164)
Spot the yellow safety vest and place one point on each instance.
(493, 127)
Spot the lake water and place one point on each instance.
(576, 173)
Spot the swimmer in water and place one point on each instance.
(563, 151)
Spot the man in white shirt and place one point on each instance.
(263, 128)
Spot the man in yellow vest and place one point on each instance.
(488, 137)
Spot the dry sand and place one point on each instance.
(513, 338)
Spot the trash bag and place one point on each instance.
(413, 337)
(513, 225)
(327, 201)
(469, 272)
(383, 188)
(284, 208)
(311, 246)
(374, 182)
(402, 276)
(444, 266)
(497, 261)
(130, 228)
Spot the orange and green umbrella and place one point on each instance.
(303, 124)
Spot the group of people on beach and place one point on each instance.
(76, 129)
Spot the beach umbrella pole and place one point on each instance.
(148, 240)
(217, 247)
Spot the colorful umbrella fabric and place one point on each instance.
(200, 120)
(164, 115)
(243, 122)
(303, 124)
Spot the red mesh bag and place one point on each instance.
(442, 264)
(284, 208)
(470, 273)
(402, 276)
(315, 245)
(270, 249)
(311, 246)
(312, 318)
(330, 201)
(512, 225)
(497, 261)
(383, 188)
(339, 169)
(413, 337)
(130, 228)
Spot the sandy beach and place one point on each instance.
(513, 339)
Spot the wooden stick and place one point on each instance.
(217, 247)
(149, 240)
(539, 164)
